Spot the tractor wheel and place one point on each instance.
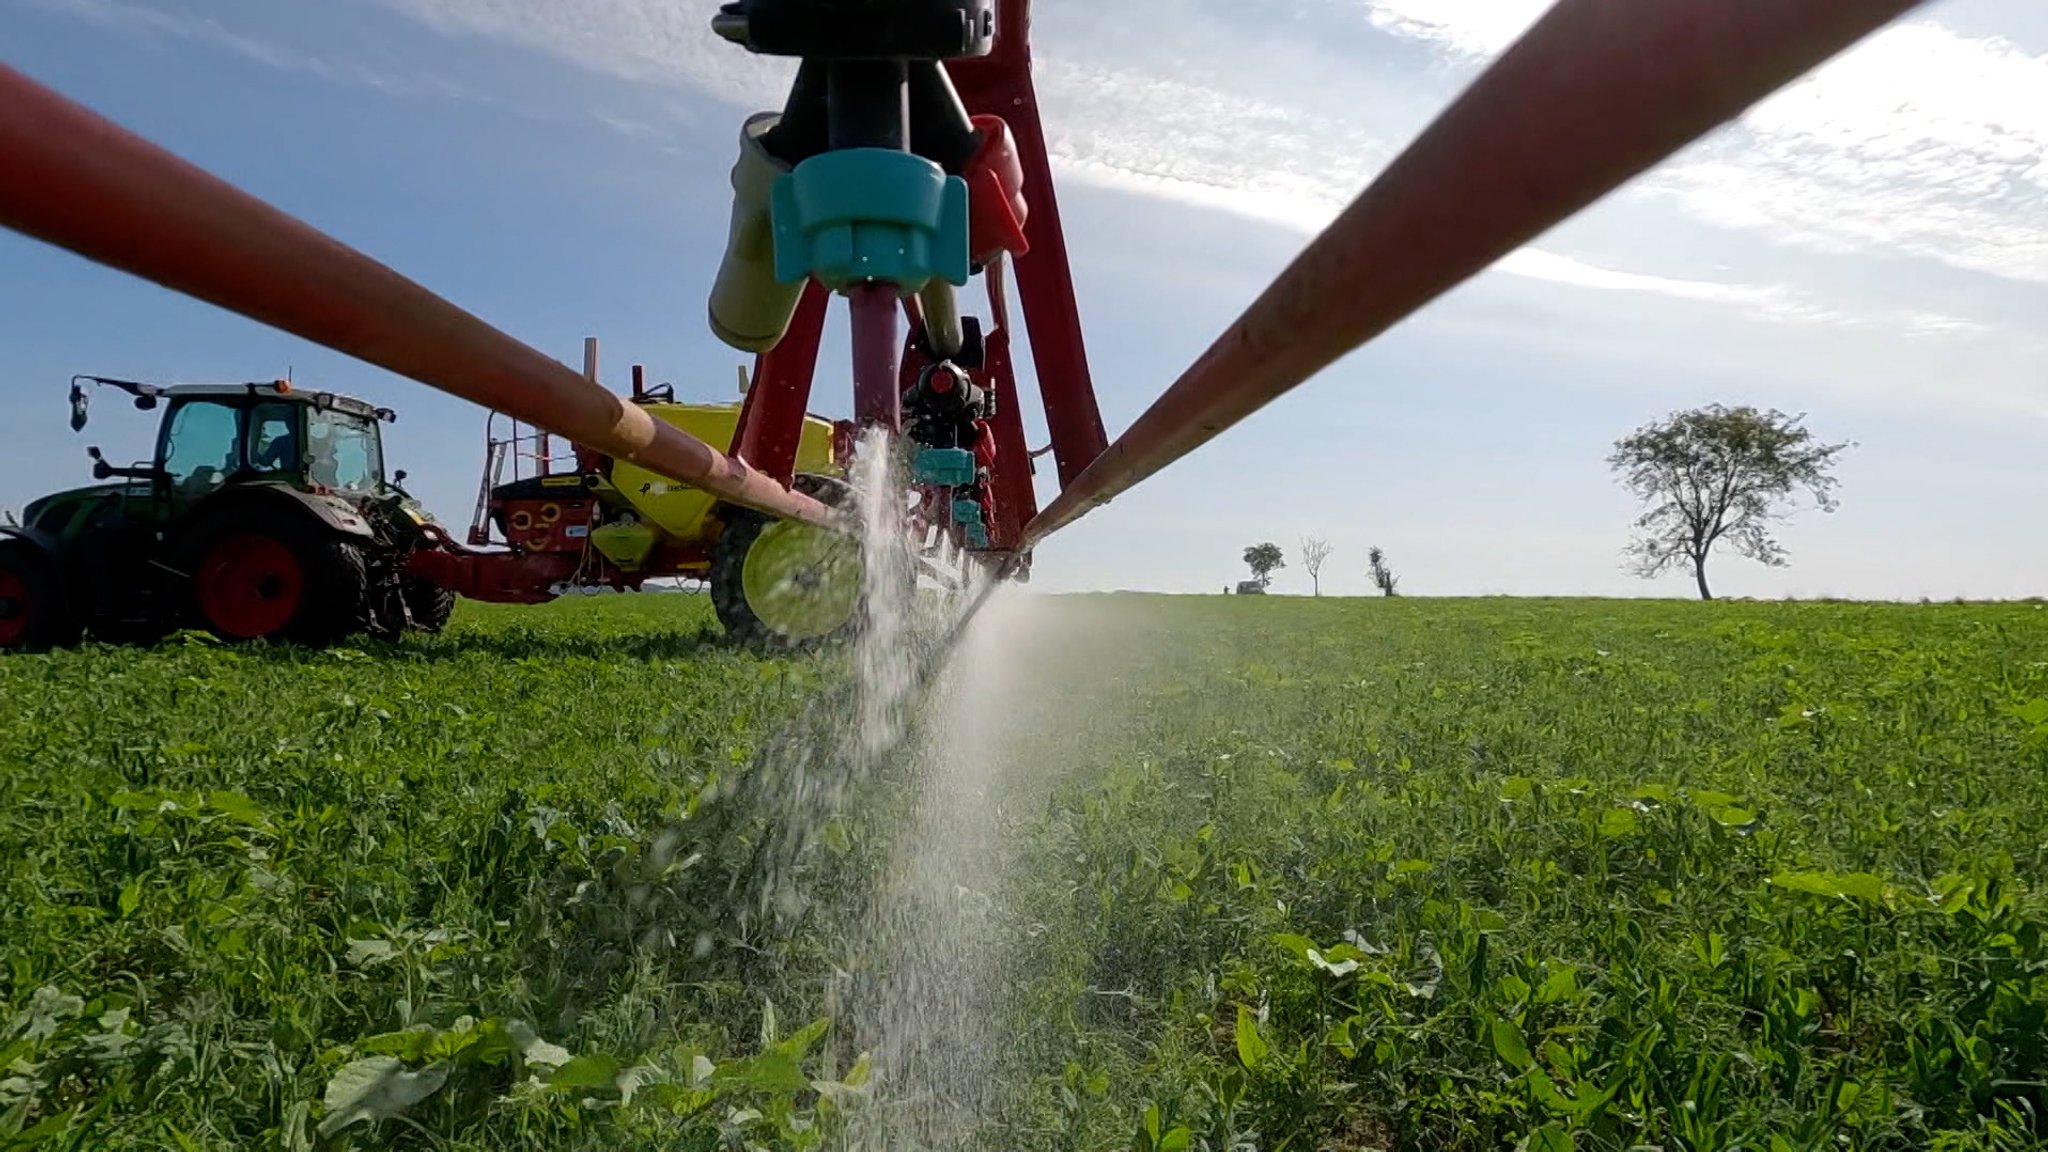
(429, 604)
(270, 574)
(33, 615)
(780, 585)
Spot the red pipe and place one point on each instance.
(876, 348)
(1596, 93)
(771, 427)
(1016, 500)
(79, 181)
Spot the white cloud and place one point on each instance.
(1921, 142)
(1307, 210)
(660, 42)
(1769, 303)
(146, 23)
(1776, 303)
(1472, 28)
(1197, 143)
(152, 24)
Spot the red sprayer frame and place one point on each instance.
(998, 84)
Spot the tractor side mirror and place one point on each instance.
(79, 402)
(398, 477)
(146, 402)
(101, 470)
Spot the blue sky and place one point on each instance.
(1870, 247)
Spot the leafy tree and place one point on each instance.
(1314, 551)
(1715, 475)
(1264, 560)
(1383, 577)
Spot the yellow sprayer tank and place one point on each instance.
(678, 510)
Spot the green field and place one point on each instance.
(1213, 874)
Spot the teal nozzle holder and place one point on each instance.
(943, 468)
(860, 215)
(967, 514)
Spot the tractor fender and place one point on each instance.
(333, 512)
(336, 513)
(329, 513)
(50, 545)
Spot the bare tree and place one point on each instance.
(1383, 577)
(1314, 551)
(1716, 475)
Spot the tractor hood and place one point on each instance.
(60, 508)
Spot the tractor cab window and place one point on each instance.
(346, 451)
(202, 447)
(274, 437)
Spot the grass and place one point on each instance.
(1279, 874)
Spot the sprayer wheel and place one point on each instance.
(780, 585)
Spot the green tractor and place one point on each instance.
(264, 515)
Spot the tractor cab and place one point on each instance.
(217, 435)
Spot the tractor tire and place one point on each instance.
(271, 574)
(33, 614)
(772, 602)
(429, 604)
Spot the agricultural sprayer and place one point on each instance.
(907, 161)
(552, 518)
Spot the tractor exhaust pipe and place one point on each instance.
(81, 182)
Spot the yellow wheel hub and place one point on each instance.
(802, 582)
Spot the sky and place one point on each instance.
(1869, 248)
